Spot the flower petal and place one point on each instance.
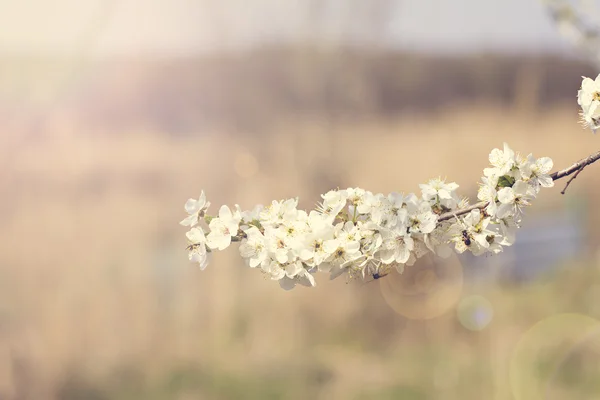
(506, 195)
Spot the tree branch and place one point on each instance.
(573, 169)
(577, 166)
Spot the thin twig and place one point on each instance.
(572, 178)
(573, 169)
(450, 215)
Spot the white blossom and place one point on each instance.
(343, 248)
(355, 198)
(487, 192)
(513, 199)
(473, 233)
(303, 277)
(333, 202)
(274, 269)
(195, 209)
(502, 160)
(508, 228)
(438, 192)
(197, 247)
(398, 213)
(396, 246)
(279, 212)
(369, 203)
(588, 98)
(253, 247)
(313, 251)
(223, 228)
(438, 241)
(540, 172)
(251, 217)
(421, 218)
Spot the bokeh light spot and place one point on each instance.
(425, 290)
(475, 312)
(542, 349)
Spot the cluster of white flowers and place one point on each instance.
(357, 233)
(588, 98)
(508, 186)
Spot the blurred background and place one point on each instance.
(114, 112)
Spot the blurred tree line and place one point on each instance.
(256, 89)
(278, 61)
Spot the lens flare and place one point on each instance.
(475, 312)
(537, 358)
(425, 290)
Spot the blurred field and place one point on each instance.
(98, 301)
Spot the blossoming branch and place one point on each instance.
(359, 234)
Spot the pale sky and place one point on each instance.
(169, 27)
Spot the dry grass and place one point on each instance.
(98, 300)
